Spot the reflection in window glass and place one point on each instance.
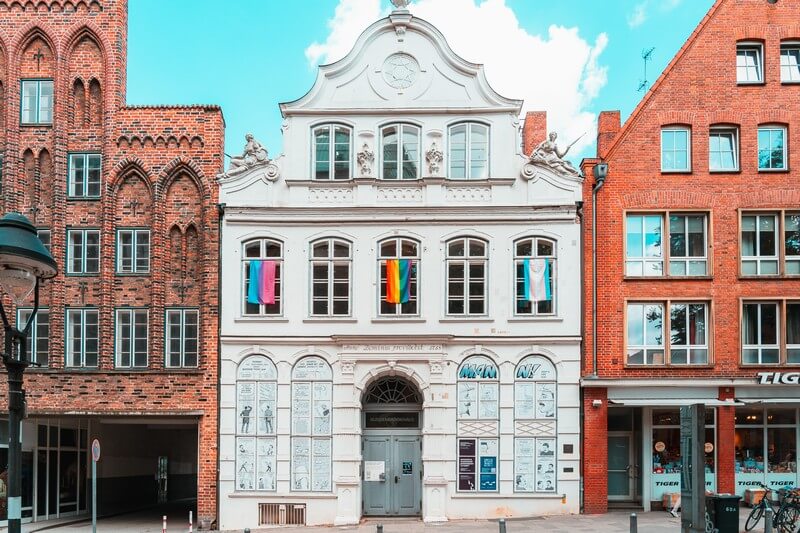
(760, 333)
(643, 250)
(771, 148)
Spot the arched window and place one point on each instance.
(467, 258)
(535, 273)
(468, 155)
(401, 152)
(478, 416)
(312, 390)
(256, 445)
(330, 277)
(262, 275)
(398, 261)
(535, 412)
(332, 152)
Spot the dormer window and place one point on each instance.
(468, 151)
(401, 152)
(332, 149)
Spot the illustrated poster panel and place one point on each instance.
(467, 468)
(258, 368)
(545, 400)
(524, 465)
(488, 402)
(524, 400)
(321, 465)
(545, 465)
(246, 405)
(467, 400)
(265, 466)
(245, 463)
(301, 408)
(267, 393)
(312, 368)
(322, 408)
(487, 460)
(301, 463)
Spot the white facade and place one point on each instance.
(401, 71)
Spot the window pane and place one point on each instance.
(635, 328)
(769, 323)
(678, 324)
(793, 323)
(45, 102)
(766, 235)
(322, 153)
(750, 324)
(653, 325)
(634, 236)
(697, 324)
(652, 227)
(696, 235)
(29, 106)
(677, 236)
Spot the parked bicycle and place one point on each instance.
(786, 512)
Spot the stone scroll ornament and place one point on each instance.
(400, 4)
(434, 157)
(253, 156)
(365, 158)
(547, 154)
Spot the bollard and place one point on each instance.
(191, 522)
(164, 525)
(768, 514)
(501, 524)
(247, 530)
(634, 525)
(379, 528)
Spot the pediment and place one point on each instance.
(401, 62)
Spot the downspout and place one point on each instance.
(579, 214)
(220, 217)
(598, 185)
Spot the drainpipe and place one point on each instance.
(579, 214)
(220, 217)
(600, 171)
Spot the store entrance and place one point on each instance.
(624, 453)
(391, 448)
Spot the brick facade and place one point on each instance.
(698, 89)
(158, 168)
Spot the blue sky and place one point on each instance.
(250, 55)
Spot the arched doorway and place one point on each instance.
(391, 447)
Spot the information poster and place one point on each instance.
(321, 462)
(524, 465)
(545, 465)
(322, 408)
(535, 389)
(312, 369)
(487, 457)
(301, 408)
(466, 465)
(477, 465)
(524, 400)
(257, 368)
(301, 463)
(373, 470)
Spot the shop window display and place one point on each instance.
(766, 447)
(666, 450)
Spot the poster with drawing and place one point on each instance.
(545, 465)
(301, 408)
(265, 466)
(267, 393)
(487, 462)
(523, 400)
(245, 406)
(545, 400)
(524, 460)
(467, 400)
(322, 408)
(321, 472)
(301, 463)
(245, 463)
(259, 368)
(312, 369)
(488, 400)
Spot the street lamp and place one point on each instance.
(23, 262)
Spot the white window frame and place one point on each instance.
(790, 73)
(84, 257)
(760, 347)
(36, 337)
(468, 147)
(647, 358)
(758, 258)
(330, 262)
(262, 256)
(331, 162)
(38, 117)
(82, 313)
(481, 386)
(732, 132)
(747, 49)
(770, 128)
(72, 185)
(689, 347)
(400, 129)
(415, 280)
(467, 261)
(674, 150)
(135, 234)
(311, 437)
(256, 383)
(182, 315)
(132, 313)
(519, 280)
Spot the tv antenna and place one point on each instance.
(647, 55)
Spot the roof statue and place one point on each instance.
(547, 154)
(254, 155)
(400, 4)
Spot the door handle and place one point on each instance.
(395, 479)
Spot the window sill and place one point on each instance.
(725, 171)
(767, 277)
(407, 320)
(132, 274)
(261, 318)
(330, 320)
(82, 274)
(535, 319)
(276, 494)
(685, 171)
(706, 366)
(479, 318)
(746, 83)
(768, 365)
(667, 278)
(36, 124)
(790, 82)
(773, 170)
(84, 198)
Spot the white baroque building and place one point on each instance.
(462, 401)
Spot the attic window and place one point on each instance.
(749, 64)
(332, 149)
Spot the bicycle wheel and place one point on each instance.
(786, 520)
(755, 517)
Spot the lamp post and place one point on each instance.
(23, 262)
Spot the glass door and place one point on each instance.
(620, 461)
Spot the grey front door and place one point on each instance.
(398, 492)
(620, 455)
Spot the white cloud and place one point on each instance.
(559, 72)
(638, 16)
(641, 10)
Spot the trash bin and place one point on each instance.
(723, 510)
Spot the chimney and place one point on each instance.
(608, 125)
(534, 130)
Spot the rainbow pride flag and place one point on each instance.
(398, 280)
(262, 282)
(536, 277)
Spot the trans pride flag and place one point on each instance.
(262, 282)
(398, 280)
(536, 275)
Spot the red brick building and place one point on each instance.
(126, 198)
(697, 235)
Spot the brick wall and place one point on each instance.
(595, 451)
(158, 168)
